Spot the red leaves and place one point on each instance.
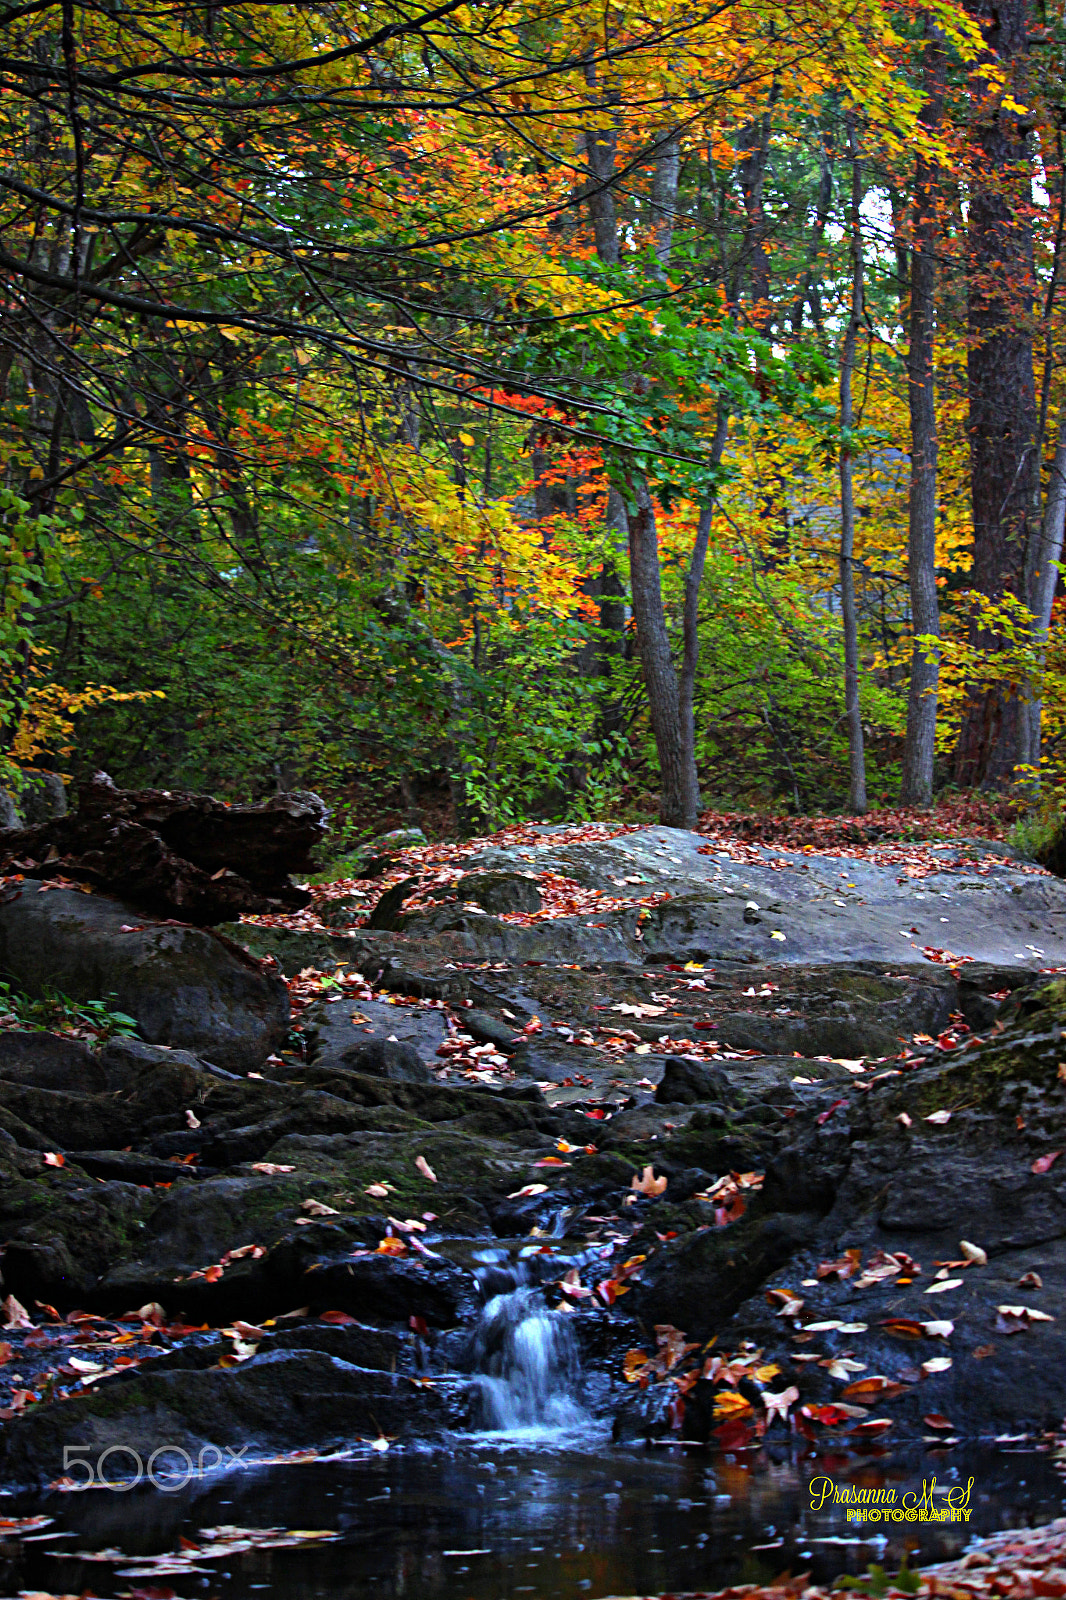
(824, 1116)
(1044, 1163)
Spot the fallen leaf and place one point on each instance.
(316, 1208)
(874, 1388)
(51, 1159)
(550, 1161)
(974, 1253)
(648, 1184)
(938, 1330)
(1045, 1163)
(391, 1247)
(530, 1189)
(936, 1364)
(729, 1405)
(940, 1288)
(270, 1168)
(1031, 1280)
(865, 1430)
(425, 1169)
(777, 1405)
(192, 1120)
(936, 1419)
(939, 1117)
(905, 1119)
(15, 1314)
(378, 1191)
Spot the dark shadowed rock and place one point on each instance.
(495, 891)
(687, 1082)
(183, 986)
(384, 1058)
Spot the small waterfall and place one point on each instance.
(526, 1360)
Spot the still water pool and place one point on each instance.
(487, 1520)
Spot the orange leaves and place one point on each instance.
(648, 1184)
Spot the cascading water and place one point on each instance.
(526, 1362)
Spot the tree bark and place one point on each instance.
(1004, 465)
(679, 791)
(664, 199)
(1042, 576)
(691, 650)
(920, 745)
(852, 711)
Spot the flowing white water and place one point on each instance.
(526, 1363)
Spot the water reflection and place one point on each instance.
(482, 1522)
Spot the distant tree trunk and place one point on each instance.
(691, 648)
(1004, 464)
(1045, 542)
(920, 745)
(1042, 575)
(751, 170)
(664, 198)
(852, 712)
(679, 800)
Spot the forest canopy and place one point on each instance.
(528, 409)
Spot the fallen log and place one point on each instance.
(182, 855)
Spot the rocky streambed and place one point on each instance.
(739, 1146)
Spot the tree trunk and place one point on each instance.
(691, 651)
(921, 542)
(1004, 466)
(679, 793)
(852, 712)
(664, 199)
(1042, 575)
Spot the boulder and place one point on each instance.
(184, 986)
(383, 1058)
(685, 1083)
(495, 891)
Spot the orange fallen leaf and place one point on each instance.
(936, 1419)
(51, 1159)
(647, 1183)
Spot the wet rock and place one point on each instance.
(495, 891)
(183, 986)
(487, 1030)
(332, 1036)
(384, 1058)
(282, 1399)
(48, 1061)
(688, 1082)
(387, 913)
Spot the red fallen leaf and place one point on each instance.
(1043, 1164)
(597, 1116)
(824, 1116)
(829, 1416)
(51, 1159)
(675, 1412)
(212, 1274)
(534, 1025)
(417, 1325)
(871, 1428)
(734, 1434)
(936, 1419)
(340, 1319)
(904, 1328)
